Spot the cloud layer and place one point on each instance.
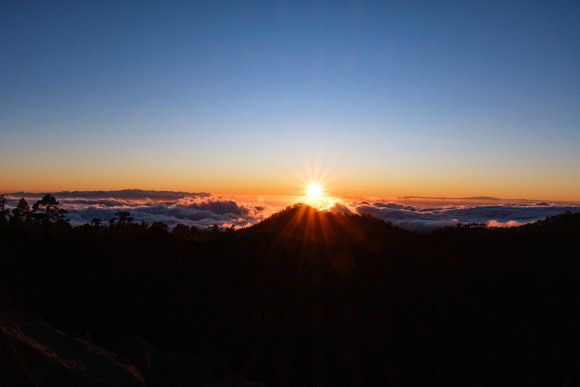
(193, 209)
(204, 209)
(424, 219)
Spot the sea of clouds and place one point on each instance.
(191, 208)
(416, 217)
(203, 209)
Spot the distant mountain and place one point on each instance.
(126, 194)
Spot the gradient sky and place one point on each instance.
(449, 98)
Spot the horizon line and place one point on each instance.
(205, 193)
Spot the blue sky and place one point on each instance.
(451, 97)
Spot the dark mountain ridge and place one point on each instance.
(308, 298)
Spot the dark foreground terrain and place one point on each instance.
(304, 298)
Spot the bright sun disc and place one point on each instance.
(314, 191)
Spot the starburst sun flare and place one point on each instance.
(315, 196)
(314, 191)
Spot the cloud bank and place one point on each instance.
(203, 209)
(192, 209)
(429, 218)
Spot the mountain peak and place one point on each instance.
(303, 222)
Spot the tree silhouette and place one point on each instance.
(47, 212)
(122, 219)
(181, 231)
(3, 210)
(159, 229)
(96, 222)
(21, 214)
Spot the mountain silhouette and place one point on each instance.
(304, 223)
(305, 297)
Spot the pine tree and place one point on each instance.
(3, 210)
(21, 214)
(47, 212)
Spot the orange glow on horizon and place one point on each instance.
(34, 176)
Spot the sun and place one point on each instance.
(316, 196)
(314, 192)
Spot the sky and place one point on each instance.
(389, 98)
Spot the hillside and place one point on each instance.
(309, 298)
